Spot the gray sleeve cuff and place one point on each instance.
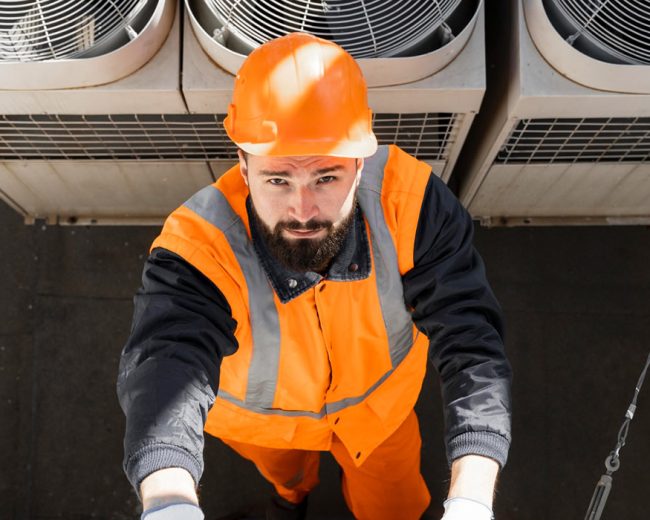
(152, 457)
(487, 444)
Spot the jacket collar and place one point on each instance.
(352, 262)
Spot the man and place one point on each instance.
(290, 308)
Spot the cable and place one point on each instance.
(612, 462)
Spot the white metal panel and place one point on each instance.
(578, 66)
(535, 90)
(153, 89)
(545, 92)
(218, 168)
(86, 72)
(458, 88)
(100, 191)
(378, 72)
(564, 190)
(206, 86)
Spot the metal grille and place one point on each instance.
(365, 28)
(184, 137)
(427, 136)
(617, 31)
(617, 139)
(56, 29)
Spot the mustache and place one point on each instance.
(310, 225)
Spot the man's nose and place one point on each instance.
(303, 205)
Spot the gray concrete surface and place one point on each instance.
(577, 305)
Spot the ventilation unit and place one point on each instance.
(423, 61)
(565, 138)
(130, 150)
(77, 43)
(93, 126)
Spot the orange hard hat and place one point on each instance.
(301, 95)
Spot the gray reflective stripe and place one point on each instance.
(397, 319)
(337, 406)
(328, 408)
(212, 205)
(268, 410)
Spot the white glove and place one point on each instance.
(174, 512)
(459, 508)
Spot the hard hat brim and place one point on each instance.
(340, 148)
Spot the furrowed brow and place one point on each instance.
(281, 173)
(328, 169)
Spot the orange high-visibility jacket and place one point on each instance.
(340, 357)
(308, 356)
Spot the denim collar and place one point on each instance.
(352, 262)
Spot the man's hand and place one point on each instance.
(168, 486)
(473, 478)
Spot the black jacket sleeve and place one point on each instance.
(169, 369)
(454, 306)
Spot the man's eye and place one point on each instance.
(327, 179)
(277, 182)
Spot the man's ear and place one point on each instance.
(243, 165)
(359, 163)
(359, 167)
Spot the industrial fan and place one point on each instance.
(612, 31)
(64, 29)
(365, 28)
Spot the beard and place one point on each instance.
(305, 254)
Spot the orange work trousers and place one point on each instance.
(388, 485)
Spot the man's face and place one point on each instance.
(304, 205)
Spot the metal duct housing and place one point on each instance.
(365, 28)
(599, 49)
(62, 44)
(612, 31)
(394, 42)
(63, 29)
(566, 137)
